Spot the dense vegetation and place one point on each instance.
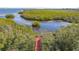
(66, 39)
(14, 36)
(22, 38)
(18, 37)
(46, 15)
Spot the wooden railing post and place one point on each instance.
(38, 43)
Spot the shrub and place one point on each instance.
(66, 39)
(10, 16)
(16, 37)
(36, 24)
(20, 12)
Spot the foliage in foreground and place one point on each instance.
(14, 36)
(66, 39)
(18, 37)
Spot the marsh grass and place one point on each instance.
(47, 15)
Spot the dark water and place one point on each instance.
(44, 26)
